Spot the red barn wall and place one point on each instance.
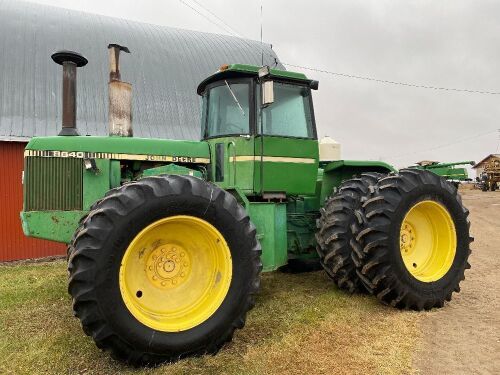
(14, 244)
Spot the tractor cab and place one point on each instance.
(259, 123)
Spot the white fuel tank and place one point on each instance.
(329, 149)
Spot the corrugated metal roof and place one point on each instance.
(165, 66)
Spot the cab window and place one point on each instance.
(290, 114)
(226, 109)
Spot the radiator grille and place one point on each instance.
(53, 184)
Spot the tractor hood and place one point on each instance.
(125, 148)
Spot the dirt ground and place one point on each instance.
(464, 337)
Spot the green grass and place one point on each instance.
(301, 325)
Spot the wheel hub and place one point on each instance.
(168, 266)
(407, 237)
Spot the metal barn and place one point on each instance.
(165, 66)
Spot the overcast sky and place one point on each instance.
(454, 44)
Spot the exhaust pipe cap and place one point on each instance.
(121, 48)
(70, 61)
(61, 57)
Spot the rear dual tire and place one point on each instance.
(409, 240)
(334, 236)
(413, 216)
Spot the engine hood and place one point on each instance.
(122, 148)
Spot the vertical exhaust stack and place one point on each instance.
(69, 61)
(120, 96)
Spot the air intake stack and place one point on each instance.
(69, 61)
(120, 96)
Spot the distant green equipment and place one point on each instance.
(448, 171)
(167, 238)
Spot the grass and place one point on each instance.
(301, 325)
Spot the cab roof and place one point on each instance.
(243, 70)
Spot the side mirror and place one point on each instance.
(267, 93)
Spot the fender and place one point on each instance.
(335, 172)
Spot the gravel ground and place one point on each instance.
(464, 337)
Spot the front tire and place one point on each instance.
(415, 240)
(164, 268)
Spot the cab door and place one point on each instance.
(232, 162)
(228, 118)
(286, 147)
(287, 165)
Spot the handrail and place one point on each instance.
(231, 143)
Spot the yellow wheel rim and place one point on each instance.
(428, 241)
(175, 273)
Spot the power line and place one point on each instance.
(441, 146)
(232, 31)
(392, 82)
(235, 32)
(207, 18)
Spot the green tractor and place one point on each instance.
(167, 239)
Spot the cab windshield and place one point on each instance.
(226, 109)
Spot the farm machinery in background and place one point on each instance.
(167, 239)
(448, 171)
(490, 176)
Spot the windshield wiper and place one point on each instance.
(234, 97)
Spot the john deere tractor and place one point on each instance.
(167, 239)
